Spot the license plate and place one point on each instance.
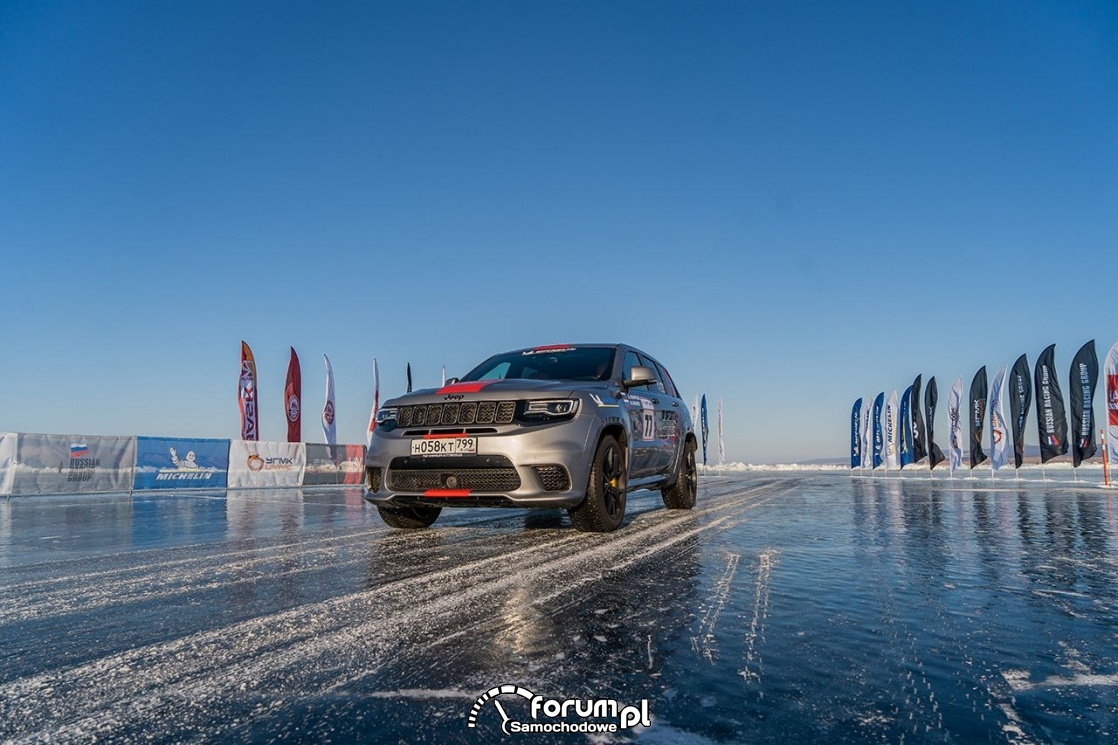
(444, 446)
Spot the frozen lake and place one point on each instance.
(787, 607)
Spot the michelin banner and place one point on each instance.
(256, 464)
(72, 464)
(334, 464)
(181, 463)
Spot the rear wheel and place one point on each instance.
(409, 518)
(604, 507)
(681, 494)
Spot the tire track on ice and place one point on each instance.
(19, 598)
(211, 575)
(208, 667)
(122, 585)
(753, 667)
(704, 638)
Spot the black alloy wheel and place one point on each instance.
(681, 495)
(603, 509)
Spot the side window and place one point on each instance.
(631, 361)
(666, 380)
(651, 365)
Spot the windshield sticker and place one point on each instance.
(549, 349)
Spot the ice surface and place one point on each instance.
(791, 605)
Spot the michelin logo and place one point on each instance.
(608, 715)
(185, 469)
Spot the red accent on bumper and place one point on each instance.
(447, 493)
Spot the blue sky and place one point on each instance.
(790, 204)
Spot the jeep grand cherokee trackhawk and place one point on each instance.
(572, 425)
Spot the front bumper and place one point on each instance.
(516, 466)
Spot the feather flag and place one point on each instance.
(999, 433)
(443, 384)
(409, 377)
(1051, 422)
(892, 436)
(919, 449)
(878, 439)
(906, 427)
(931, 398)
(1020, 396)
(865, 452)
(721, 442)
(703, 414)
(376, 404)
(246, 395)
(1081, 389)
(695, 411)
(1110, 385)
(328, 428)
(293, 399)
(856, 435)
(955, 425)
(977, 416)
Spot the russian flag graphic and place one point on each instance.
(78, 450)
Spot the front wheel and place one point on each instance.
(409, 518)
(681, 494)
(604, 507)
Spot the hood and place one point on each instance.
(496, 390)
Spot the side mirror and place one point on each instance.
(640, 376)
(451, 381)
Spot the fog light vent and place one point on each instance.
(373, 478)
(553, 477)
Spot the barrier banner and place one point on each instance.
(7, 461)
(256, 464)
(334, 464)
(73, 464)
(180, 463)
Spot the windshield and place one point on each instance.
(562, 363)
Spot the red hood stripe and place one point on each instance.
(470, 387)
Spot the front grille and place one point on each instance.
(553, 478)
(474, 479)
(373, 478)
(451, 431)
(472, 412)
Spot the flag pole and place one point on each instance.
(1105, 460)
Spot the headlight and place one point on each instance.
(549, 409)
(386, 417)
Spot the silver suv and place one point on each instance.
(574, 426)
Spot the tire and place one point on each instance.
(681, 495)
(603, 509)
(409, 518)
